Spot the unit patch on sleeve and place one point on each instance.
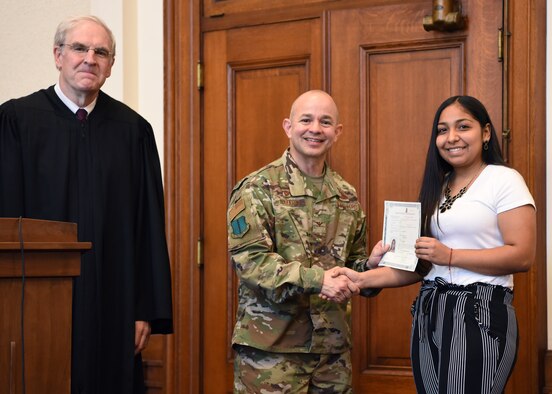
(242, 225)
(239, 227)
(238, 221)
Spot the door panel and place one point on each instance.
(256, 142)
(252, 75)
(396, 76)
(219, 10)
(214, 7)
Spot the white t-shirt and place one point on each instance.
(472, 221)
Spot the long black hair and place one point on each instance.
(437, 169)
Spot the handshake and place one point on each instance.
(340, 284)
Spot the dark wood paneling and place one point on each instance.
(547, 373)
(154, 365)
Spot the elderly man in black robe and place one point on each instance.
(99, 169)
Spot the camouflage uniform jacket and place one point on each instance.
(283, 234)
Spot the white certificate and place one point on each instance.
(401, 228)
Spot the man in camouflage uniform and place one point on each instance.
(289, 224)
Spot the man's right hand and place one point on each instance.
(337, 288)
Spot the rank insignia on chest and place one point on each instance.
(239, 227)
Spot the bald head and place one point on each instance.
(314, 95)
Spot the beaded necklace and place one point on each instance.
(449, 200)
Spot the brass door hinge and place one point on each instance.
(199, 257)
(199, 76)
(500, 43)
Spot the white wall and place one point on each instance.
(26, 42)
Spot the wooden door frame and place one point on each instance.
(527, 108)
(182, 186)
(182, 42)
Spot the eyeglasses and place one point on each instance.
(82, 50)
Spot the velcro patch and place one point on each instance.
(237, 208)
(242, 224)
(239, 227)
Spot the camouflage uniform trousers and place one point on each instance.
(261, 372)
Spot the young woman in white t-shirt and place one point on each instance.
(478, 229)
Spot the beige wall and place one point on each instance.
(26, 37)
(27, 62)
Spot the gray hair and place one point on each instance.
(71, 23)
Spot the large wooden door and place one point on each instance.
(252, 76)
(388, 76)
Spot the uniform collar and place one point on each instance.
(297, 181)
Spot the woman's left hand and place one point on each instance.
(432, 250)
(377, 254)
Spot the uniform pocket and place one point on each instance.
(345, 229)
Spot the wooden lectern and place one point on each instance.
(51, 260)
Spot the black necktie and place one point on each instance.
(81, 114)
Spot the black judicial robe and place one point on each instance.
(104, 175)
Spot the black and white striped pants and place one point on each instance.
(464, 338)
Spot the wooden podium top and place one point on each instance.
(51, 248)
(44, 235)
